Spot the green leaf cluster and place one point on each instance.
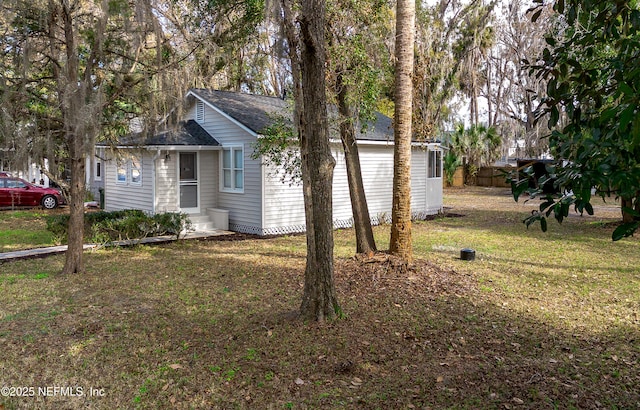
(279, 149)
(593, 97)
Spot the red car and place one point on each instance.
(18, 192)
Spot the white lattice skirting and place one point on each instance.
(379, 219)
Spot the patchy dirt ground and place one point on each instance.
(208, 324)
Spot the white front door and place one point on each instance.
(189, 190)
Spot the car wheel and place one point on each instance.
(49, 201)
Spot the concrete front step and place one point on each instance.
(213, 219)
(203, 223)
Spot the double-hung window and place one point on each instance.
(129, 170)
(232, 169)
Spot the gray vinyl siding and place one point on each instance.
(418, 179)
(268, 206)
(167, 180)
(166, 184)
(433, 190)
(244, 208)
(284, 205)
(376, 162)
(208, 180)
(340, 193)
(128, 196)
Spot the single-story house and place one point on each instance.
(205, 168)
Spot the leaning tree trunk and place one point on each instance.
(365, 242)
(319, 300)
(400, 244)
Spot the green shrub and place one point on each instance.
(450, 164)
(171, 223)
(104, 227)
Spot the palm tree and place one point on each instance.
(479, 144)
(400, 244)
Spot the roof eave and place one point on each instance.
(389, 142)
(184, 147)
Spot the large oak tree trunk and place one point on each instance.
(365, 242)
(400, 244)
(319, 300)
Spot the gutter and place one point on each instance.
(153, 180)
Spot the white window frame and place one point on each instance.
(98, 166)
(135, 167)
(233, 169)
(97, 170)
(121, 164)
(431, 167)
(131, 164)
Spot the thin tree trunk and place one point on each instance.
(365, 242)
(73, 99)
(489, 102)
(319, 301)
(74, 262)
(400, 243)
(628, 217)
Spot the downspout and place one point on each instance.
(263, 199)
(153, 180)
(88, 173)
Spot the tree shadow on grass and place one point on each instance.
(216, 335)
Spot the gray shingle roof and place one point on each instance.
(257, 112)
(187, 133)
(190, 133)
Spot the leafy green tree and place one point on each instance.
(80, 70)
(476, 38)
(355, 81)
(593, 79)
(451, 43)
(510, 89)
(75, 66)
(354, 78)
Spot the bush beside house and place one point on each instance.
(105, 227)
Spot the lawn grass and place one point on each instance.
(536, 321)
(24, 229)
